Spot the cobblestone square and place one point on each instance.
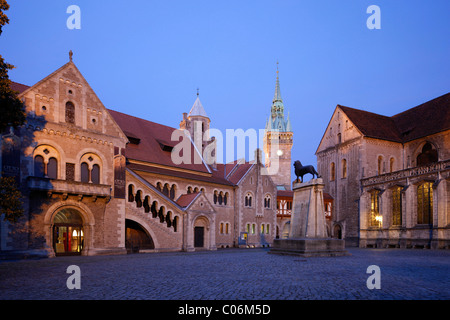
(232, 274)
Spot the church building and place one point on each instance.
(389, 176)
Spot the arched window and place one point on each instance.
(225, 198)
(159, 186)
(84, 172)
(248, 200)
(154, 209)
(380, 165)
(267, 202)
(375, 218)
(332, 171)
(425, 203)
(397, 206)
(165, 190)
(215, 196)
(39, 168)
(70, 112)
(130, 193)
(90, 168)
(161, 214)
(95, 174)
(46, 162)
(428, 155)
(52, 168)
(172, 192)
(139, 199)
(344, 168)
(220, 199)
(391, 164)
(168, 219)
(146, 204)
(175, 224)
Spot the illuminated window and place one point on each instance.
(425, 203)
(375, 218)
(397, 206)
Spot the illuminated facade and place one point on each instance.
(389, 176)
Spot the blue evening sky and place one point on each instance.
(147, 58)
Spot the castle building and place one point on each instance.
(97, 181)
(389, 176)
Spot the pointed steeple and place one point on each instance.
(197, 109)
(277, 95)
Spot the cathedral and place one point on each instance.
(97, 181)
(389, 176)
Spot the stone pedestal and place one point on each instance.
(308, 235)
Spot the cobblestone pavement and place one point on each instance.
(232, 274)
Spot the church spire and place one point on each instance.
(277, 96)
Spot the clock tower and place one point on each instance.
(278, 139)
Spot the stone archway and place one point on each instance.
(136, 237)
(68, 232)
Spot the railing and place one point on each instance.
(68, 187)
(407, 173)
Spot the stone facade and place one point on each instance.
(94, 184)
(379, 170)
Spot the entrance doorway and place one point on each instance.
(199, 235)
(68, 235)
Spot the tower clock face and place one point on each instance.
(280, 153)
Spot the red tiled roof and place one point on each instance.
(426, 119)
(150, 137)
(327, 196)
(235, 171)
(212, 178)
(373, 125)
(18, 87)
(186, 199)
(285, 193)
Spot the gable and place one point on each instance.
(202, 204)
(340, 127)
(65, 98)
